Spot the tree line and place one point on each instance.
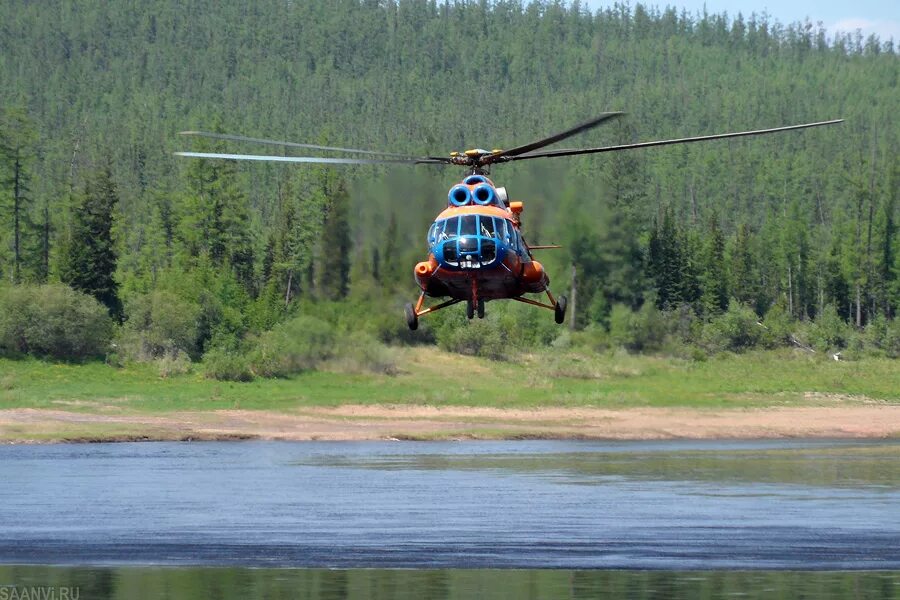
(803, 223)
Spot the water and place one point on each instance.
(447, 507)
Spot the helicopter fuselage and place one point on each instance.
(476, 250)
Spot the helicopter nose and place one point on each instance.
(466, 253)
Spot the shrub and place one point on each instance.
(160, 323)
(736, 329)
(173, 363)
(53, 320)
(362, 353)
(777, 327)
(829, 331)
(882, 337)
(644, 330)
(298, 345)
(475, 338)
(225, 364)
(593, 337)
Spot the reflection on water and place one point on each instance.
(134, 583)
(833, 464)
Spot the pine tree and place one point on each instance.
(215, 220)
(713, 278)
(743, 276)
(17, 137)
(668, 263)
(89, 260)
(388, 270)
(334, 277)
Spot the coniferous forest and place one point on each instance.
(111, 246)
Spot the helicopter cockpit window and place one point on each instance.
(487, 226)
(468, 225)
(449, 229)
(502, 230)
(433, 232)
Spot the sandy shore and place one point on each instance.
(426, 422)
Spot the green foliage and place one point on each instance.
(641, 331)
(17, 148)
(735, 330)
(806, 219)
(507, 329)
(713, 279)
(882, 337)
(214, 220)
(777, 327)
(52, 320)
(829, 331)
(222, 301)
(334, 280)
(362, 353)
(162, 324)
(89, 261)
(226, 364)
(298, 345)
(475, 338)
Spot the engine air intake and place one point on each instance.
(484, 195)
(460, 195)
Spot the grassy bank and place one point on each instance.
(431, 377)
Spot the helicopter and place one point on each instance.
(476, 251)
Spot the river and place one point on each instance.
(564, 515)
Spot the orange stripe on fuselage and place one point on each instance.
(475, 209)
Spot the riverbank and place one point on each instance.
(439, 395)
(359, 422)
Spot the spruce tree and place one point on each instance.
(89, 259)
(713, 279)
(17, 137)
(743, 276)
(335, 272)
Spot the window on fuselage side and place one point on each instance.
(502, 233)
(516, 240)
(433, 233)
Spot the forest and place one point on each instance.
(112, 248)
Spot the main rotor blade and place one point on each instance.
(314, 159)
(242, 138)
(518, 150)
(667, 142)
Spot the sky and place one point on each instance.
(881, 17)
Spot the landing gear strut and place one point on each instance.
(414, 312)
(558, 306)
(475, 303)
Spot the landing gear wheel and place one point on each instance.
(412, 319)
(560, 311)
(480, 308)
(470, 309)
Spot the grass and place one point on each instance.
(431, 377)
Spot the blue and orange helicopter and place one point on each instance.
(476, 249)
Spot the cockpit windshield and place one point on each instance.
(469, 225)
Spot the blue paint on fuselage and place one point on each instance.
(457, 253)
